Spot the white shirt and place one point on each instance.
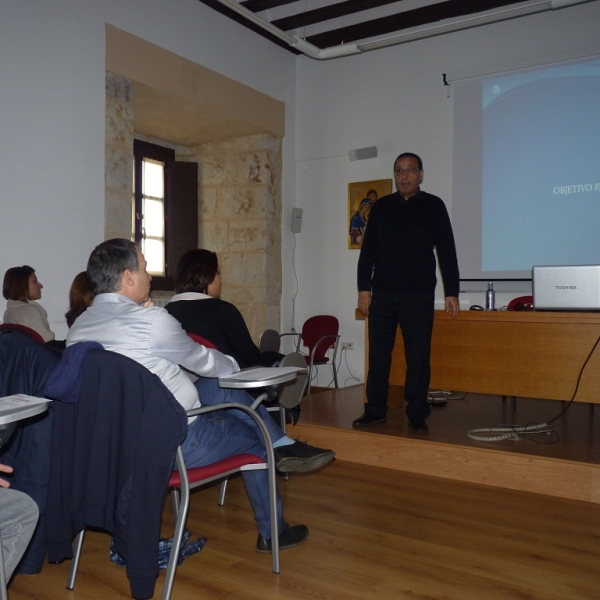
(190, 296)
(153, 338)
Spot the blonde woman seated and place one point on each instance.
(21, 289)
(197, 305)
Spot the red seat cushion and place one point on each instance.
(223, 466)
(200, 340)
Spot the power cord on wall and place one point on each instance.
(515, 432)
(352, 377)
(343, 358)
(295, 289)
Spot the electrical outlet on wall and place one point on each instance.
(347, 345)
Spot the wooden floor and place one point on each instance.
(374, 534)
(384, 533)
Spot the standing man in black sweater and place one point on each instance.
(396, 286)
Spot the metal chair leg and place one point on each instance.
(182, 511)
(175, 503)
(282, 424)
(335, 379)
(77, 546)
(3, 582)
(222, 491)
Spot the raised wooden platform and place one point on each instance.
(566, 465)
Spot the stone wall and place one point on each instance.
(118, 157)
(240, 219)
(239, 194)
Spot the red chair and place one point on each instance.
(319, 335)
(183, 480)
(521, 303)
(34, 335)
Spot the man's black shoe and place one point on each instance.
(418, 426)
(288, 538)
(300, 457)
(367, 420)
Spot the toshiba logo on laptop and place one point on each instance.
(565, 287)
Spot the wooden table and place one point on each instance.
(527, 354)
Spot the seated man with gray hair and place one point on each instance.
(124, 320)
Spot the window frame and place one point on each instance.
(146, 150)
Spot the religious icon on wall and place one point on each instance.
(361, 197)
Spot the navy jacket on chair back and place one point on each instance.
(113, 452)
(24, 368)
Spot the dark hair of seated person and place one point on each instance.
(80, 297)
(16, 283)
(195, 271)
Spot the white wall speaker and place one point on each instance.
(296, 220)
(362, 153)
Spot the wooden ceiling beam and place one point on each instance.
(260, 5)
(326, 13)
(404, 20)
(221, 8)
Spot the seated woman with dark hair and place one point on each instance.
(21, 289)
(80, 297)
(198, 307)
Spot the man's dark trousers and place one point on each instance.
(413, 311)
